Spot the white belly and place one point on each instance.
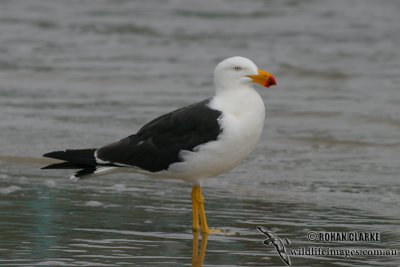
(242, 123)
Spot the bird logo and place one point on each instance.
(277, 242)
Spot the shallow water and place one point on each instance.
(79, 74)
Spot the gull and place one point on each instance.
(192, 143)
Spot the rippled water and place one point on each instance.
(83, 73)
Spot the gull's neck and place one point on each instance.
(243, 98)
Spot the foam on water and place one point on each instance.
(9, 190)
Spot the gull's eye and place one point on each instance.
(237, 68)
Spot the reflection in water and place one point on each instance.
(198, 256)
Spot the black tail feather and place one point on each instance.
(78, 156)
(84, 172)
(65, 165)
(82, 159)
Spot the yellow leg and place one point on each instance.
(195, 209)
(200, 201)
(198, 207)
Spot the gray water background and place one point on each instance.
(77, 74)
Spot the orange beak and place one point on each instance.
(264, 78)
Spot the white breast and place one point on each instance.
(242, 122)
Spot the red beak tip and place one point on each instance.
(271, 81)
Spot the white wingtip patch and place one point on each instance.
(99, 161)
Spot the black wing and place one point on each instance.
(158, 143)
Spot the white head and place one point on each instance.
(236, 72)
